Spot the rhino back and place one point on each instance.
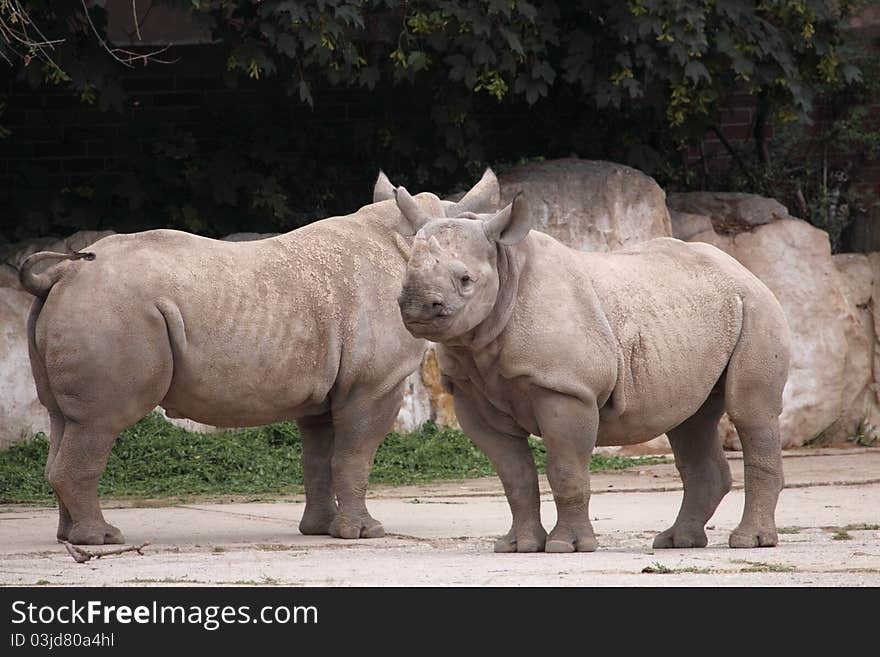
(269, 327)
(677, 313)
(648, 330)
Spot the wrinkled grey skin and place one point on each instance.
(304, 325)
(588, 349)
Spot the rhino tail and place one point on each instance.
(40, 284)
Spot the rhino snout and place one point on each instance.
(421, 308)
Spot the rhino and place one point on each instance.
(585, 349)
(300, 326)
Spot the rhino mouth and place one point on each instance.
(425, 327)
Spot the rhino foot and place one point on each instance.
(314, 524)
(524, 541)
(63, 533)
(564, 539)
(360, 527)
(745, 537)
(82, 533)
(681, 537)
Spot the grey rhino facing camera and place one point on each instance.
(587, 349)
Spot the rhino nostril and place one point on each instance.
(437, 305)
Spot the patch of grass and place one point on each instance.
(788, 530)
(865, 435)
(763, 567)
(820, 440)
(217, 549)
(862, 526)
(841, 536)
(657, 568)
(156, 459)
(164, 580)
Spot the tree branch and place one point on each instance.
(727, 145)
(121, 55)
(81, 555)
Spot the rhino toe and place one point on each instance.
(744, 538)
(678, 537)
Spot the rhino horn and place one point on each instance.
(383, 190)
(482, 197)
(434, 247)
(413, 216)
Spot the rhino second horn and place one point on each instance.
(413, 216)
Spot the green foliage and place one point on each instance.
(865, 435)
(442, 87)
(764, 567)
(809, 165)
(154, 458)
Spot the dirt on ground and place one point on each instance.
(442, 534)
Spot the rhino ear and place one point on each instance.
(510, 225)
(413, 216)
(383, 190)
(483, 197)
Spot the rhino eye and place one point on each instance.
(466, 281)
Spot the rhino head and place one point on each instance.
(458, 268)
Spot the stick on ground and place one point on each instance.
(81, 556)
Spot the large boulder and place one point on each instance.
(425, 398)
(590, 205)
(794, 260)
(729, 212)
(21, 413)
(859, 402)
(685, 225)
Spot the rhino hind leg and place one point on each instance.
(74, 474)
(704, 472)
(317, 446)
(56, 417)
(56, 433)
(762, 460)
(756, 376)
(94, 399)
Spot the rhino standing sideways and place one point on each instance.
(588, 349)
(304, 325)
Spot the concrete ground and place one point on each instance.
(442, 534)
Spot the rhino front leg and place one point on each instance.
(359, 428)
(515, 465)
(568, 427)
(317, 445)
(704, 472)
